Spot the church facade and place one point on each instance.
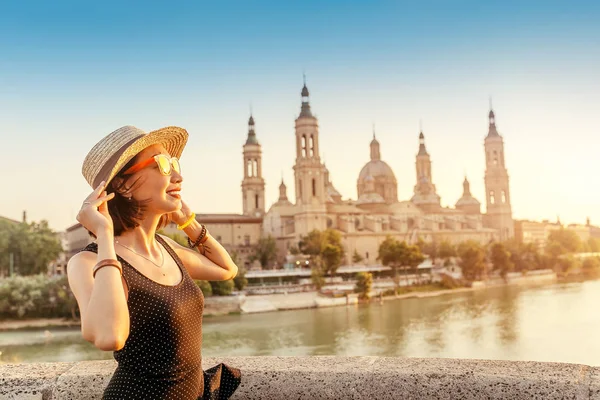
(376, 212)
(363, 222)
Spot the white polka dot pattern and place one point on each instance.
(162, 357)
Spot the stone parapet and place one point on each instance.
(330, 377)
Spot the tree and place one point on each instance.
(331, 258)
(524, 256)
(432, 250)
(316, 275)
(312, 243)
(563, 241)
(390, 255)
(472, 260)
(357, 258)
(325, 249)
(265, 251)
(177, 238)
(32, 245)
(594, 244)
(591, 267)
(206, 287)
(566, 264)
(399, 255)
(222, 288)
(500, 259)
(240, 280)
(364, 283)
(446, 251)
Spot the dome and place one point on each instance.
(467, 201)
(370, 198)
(375, 169)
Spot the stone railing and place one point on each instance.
(333, 378)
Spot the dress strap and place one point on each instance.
(170, 250)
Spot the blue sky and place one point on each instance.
(71, 73)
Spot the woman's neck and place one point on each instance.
(141, 239)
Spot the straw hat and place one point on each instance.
(116, 149)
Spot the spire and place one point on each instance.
(282, 191)
(305, 110)
(492, 117)
(466, 187)
(422, 149)
(251, 132)
(375, 152)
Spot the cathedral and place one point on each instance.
(377, 212)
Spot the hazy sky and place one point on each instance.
(72, 73)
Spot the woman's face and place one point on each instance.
(154, 186)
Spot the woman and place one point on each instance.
(135, 289)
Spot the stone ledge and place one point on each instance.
(330, 377)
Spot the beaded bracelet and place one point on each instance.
(202, 235)
(186, 223)
(202, 238)
(107, 263)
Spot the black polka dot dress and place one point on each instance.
(162, 357)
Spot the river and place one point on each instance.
(558, 322)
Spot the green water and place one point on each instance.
(548, 323)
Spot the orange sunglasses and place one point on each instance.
(164, 162)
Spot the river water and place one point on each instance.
(559, 322)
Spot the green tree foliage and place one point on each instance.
(177, 237)
(432, 250)
(222, 288)
(399, 255)
(567, 265)
(446, 250)
(594, 244)
(325, 249)
(37, 296)
(472, 259)
(33, 246)
(525, 256)
(316, 275)
(240, 280)
(563, 241)
(265, 251)
(206, 287)
(500, 258)
(364, 283)
(357, 258)
(591, 267)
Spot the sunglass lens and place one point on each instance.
(163, 164)
(176, 166)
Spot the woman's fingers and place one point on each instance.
(94, 195)
(100, 200)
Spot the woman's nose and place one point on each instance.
(176, 177)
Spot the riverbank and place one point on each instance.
(242, 304)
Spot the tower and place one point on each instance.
(498, 208)
(309, 171)
(425, 193)
(253, 184)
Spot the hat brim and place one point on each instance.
(172, 138)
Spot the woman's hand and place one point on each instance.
(182, 215)
(93, 214)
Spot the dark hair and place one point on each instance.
(127, 213)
